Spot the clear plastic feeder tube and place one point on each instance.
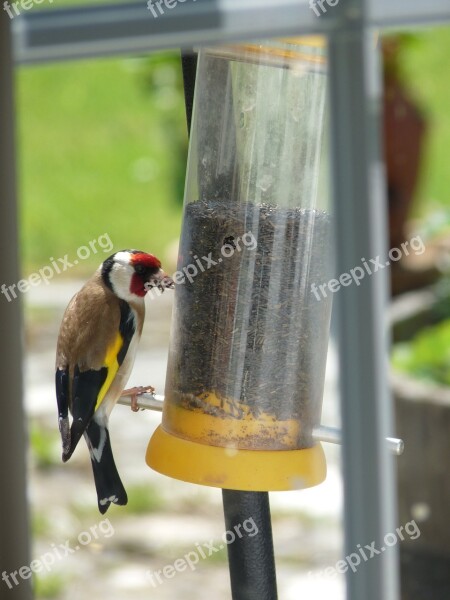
(249, 337)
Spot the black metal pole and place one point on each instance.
(15, 574)
(250, 557)
(189, 67)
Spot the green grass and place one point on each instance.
(101, 147)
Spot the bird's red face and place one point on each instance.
(131, 273)
(147, 274)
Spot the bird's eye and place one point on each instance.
(140, 269)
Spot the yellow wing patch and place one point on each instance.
(112, 364)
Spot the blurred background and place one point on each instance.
(102, 150)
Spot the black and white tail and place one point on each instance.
(107, 481)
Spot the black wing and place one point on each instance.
(86, 387)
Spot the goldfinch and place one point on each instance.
(95, 353)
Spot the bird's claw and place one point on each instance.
(135, 392)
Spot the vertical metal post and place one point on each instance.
(360, 206)
(14, 550)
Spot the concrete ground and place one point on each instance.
(167, 519)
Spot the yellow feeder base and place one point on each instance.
(230, 468)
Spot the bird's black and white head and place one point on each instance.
(130, 274)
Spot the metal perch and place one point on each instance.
(331, 435)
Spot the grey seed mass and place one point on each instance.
(249, 328)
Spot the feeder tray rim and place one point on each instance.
(230, 468)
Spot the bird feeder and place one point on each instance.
(249, 339)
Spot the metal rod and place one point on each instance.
(334, 436)
(322, 433)
(251, 558)
(14, 522)
(145, 401)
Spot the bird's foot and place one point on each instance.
(134, 392)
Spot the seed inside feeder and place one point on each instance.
(251, 338)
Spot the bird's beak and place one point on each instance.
(161, 280)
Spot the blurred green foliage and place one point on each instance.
(144, 499)
(49, 586)
(45, 446)
(103, 144)
(424, 70)
(41, 524)
(427, 355)
(102, 147)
